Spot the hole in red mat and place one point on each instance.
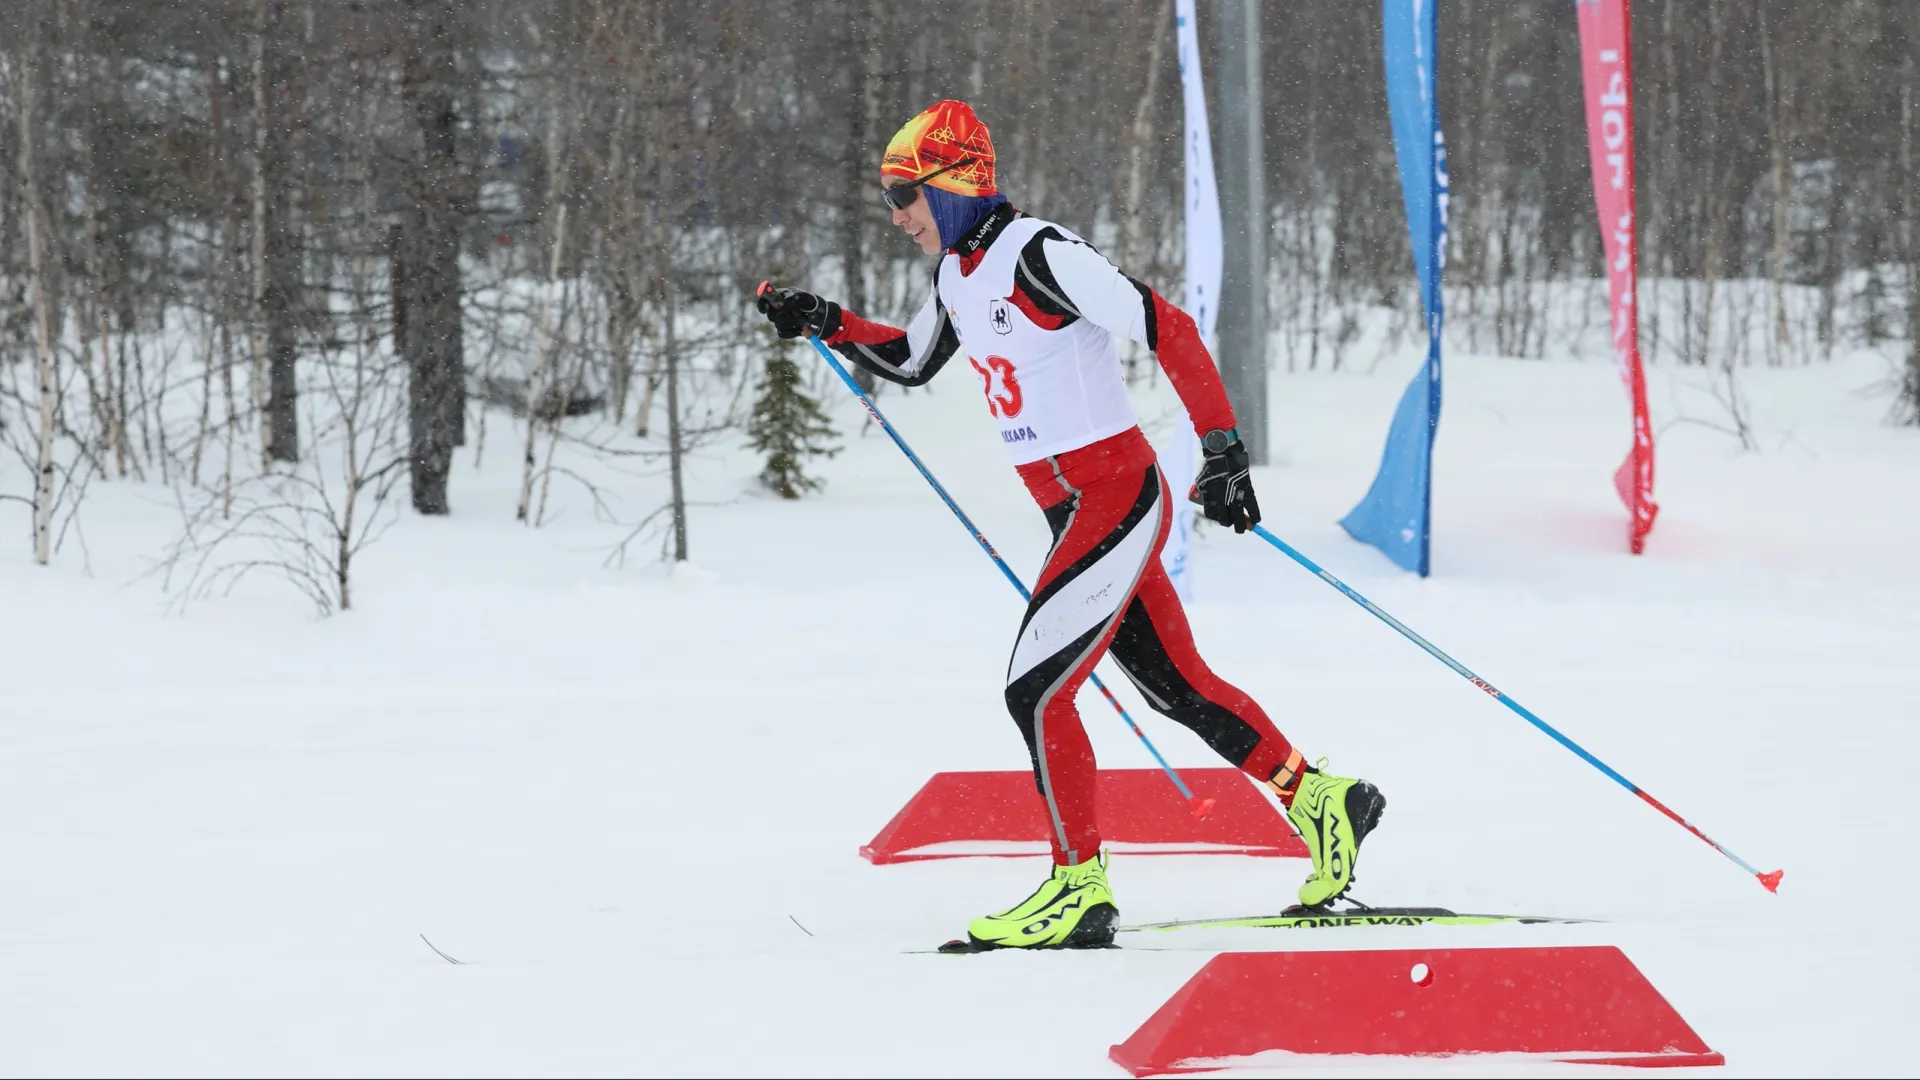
(1422, 975)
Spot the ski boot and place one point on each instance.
(1333, 814)
(1073, 909)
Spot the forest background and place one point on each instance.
(282, 255)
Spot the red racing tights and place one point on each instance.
(1104, 590)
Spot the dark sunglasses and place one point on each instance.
(901, 196)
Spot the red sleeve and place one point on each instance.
(1175, 341)
(854, 330)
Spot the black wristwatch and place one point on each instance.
(1217, 441)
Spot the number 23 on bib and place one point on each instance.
(1002, 388)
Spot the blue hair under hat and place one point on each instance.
(954, 215)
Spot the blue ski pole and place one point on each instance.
(1200, 806)
(1770, 879)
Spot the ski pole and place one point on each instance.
(1770, 880)
(1200, 806)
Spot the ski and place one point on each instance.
(1298, 918)
(1295, 918)
(965, 947)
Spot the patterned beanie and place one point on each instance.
(943, 133)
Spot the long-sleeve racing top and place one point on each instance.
(1058, 280)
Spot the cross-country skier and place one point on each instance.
(1037, 311)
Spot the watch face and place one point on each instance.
(1215, 441)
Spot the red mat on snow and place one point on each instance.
(1584, 1004)
(961, 814)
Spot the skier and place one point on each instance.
(1037, 311)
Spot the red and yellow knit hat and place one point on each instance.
(943, 133)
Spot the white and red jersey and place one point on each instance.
(1052, 384)
(1037, 311)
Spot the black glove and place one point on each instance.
(1224, 488)
(794, 313)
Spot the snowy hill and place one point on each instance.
(618, 794)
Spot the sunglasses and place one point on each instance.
(901, 196)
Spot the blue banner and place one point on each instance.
(1396, 514)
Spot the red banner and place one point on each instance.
(1607, 59)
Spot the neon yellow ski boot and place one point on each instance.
(1073, 909)
(1333, 814)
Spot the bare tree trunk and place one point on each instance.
(1132, 225)
(218, 243)
(1670, 171)
(1132, 222)
(1832, 265)
(205, 426)
(112, 423)
(622, 316)
(355, 477)
(621, 313)
(1777, 151)
(1715, 202)
(343, 561)
(654, 372)
(1910, 229)
(649, 70)
(88, 318)
(567, 388)
(43, 343)
(855, 206)
(228, 300)
(549, 346)
(278, 258)
(1313, 278)
(433, 348)
(1490, 185)
(676, 450)
(656, 236)
(256, 314)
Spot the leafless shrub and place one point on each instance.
(308, 521)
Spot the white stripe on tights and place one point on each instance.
(1089, 599)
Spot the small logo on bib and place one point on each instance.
(1000, 317)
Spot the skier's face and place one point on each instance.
(916, 220)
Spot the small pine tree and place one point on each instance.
(789, 427)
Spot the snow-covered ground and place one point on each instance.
(618, 794)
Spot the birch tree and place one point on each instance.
(46, 377)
